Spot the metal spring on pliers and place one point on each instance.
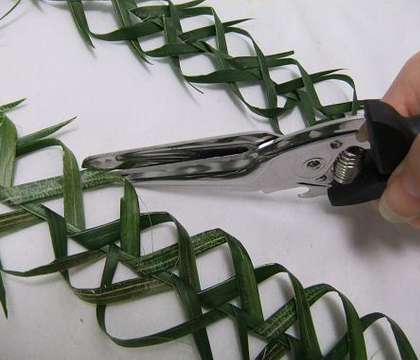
(348, 165)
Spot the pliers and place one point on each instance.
(349, 159)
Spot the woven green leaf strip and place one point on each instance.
(155, 271)
(232, 71)
(167, 20)
(78, 13)
(8, 140)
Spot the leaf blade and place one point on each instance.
(11, 105)
(17, 220)
(130, 221)
(27, 143)
(8, 139)
(3, 299)
(122, 11)
(78, 13)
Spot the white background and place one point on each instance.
(121, 104)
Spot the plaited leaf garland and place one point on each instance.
(139, 22)
(119, 241)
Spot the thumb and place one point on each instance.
(400, 202)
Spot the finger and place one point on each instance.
(400, 201)
(404, 93)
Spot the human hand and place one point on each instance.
(400, 202)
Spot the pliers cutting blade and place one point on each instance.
(348, 159)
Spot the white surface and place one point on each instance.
(123, 104)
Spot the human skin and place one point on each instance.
(400, 202)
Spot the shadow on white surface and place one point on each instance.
(368, 230)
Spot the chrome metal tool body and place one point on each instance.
(349, 159)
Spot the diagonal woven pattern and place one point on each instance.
(141, 22)
(119, 242)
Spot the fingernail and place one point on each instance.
(390, 215)
(411, 184)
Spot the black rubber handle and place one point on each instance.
(390, 137)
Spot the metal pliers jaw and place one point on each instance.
(341, 158)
